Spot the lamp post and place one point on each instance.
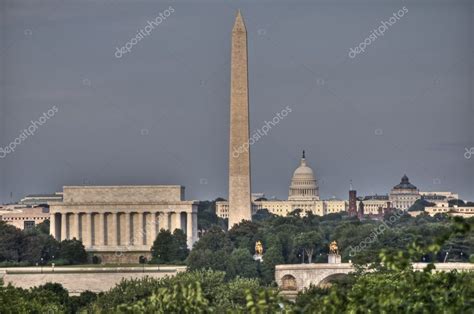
(446, 257)
(302, 256)
(41, 265)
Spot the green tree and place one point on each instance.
(214, 239)
(82, 301)
(43, 227)
(232, 295)
(176, 299)
(262, 214)
(169, 248)
(132, 290)
(266, 301)
(207, 215)
(241, 263)
(271, 258)
(207, 259)
(73, 251)
(309, 242)
(164, 247)
(404, 291)
(17, 300)
(37, 246)
(11, 241)
(245, 235)
(181, 243)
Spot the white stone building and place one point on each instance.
(455, 210)
(25, 217)
(120, 223)
(404, 195)
(375, 204)
(446, 195)
(41, 199)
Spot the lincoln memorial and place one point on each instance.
(120, 223)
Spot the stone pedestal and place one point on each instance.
(334, 259)
(258, 257)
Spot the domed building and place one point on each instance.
(404, 194)
(303, 195)
(304, 186)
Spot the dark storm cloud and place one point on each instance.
(160, 113)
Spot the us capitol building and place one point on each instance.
(303, 194)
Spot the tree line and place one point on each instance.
(223, 276)
(37, 247)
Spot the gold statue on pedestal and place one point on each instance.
(258, 248)
(333, 249)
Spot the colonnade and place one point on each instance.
(122, 228)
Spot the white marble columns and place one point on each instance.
(191, 228)
(136, 229)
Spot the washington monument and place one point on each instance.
(240, 207)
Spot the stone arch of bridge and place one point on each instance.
(328, 280)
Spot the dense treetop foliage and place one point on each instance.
(37, 246)
(300, 237)
(169, 248)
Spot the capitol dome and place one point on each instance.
(303, 184)
(404, 184)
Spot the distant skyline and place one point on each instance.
(159, 114)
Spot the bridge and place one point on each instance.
(293, 278)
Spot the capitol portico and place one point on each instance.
(120, 223)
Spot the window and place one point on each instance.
(28, 224)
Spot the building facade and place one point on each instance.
(437, 195)
(41, 199)
(462, 211)
(404, 194)
(304, 194)
(375, 204)
(25, 218)
(120, 223)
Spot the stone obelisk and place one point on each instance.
(240, 207)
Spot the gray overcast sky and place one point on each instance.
(160, 113)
